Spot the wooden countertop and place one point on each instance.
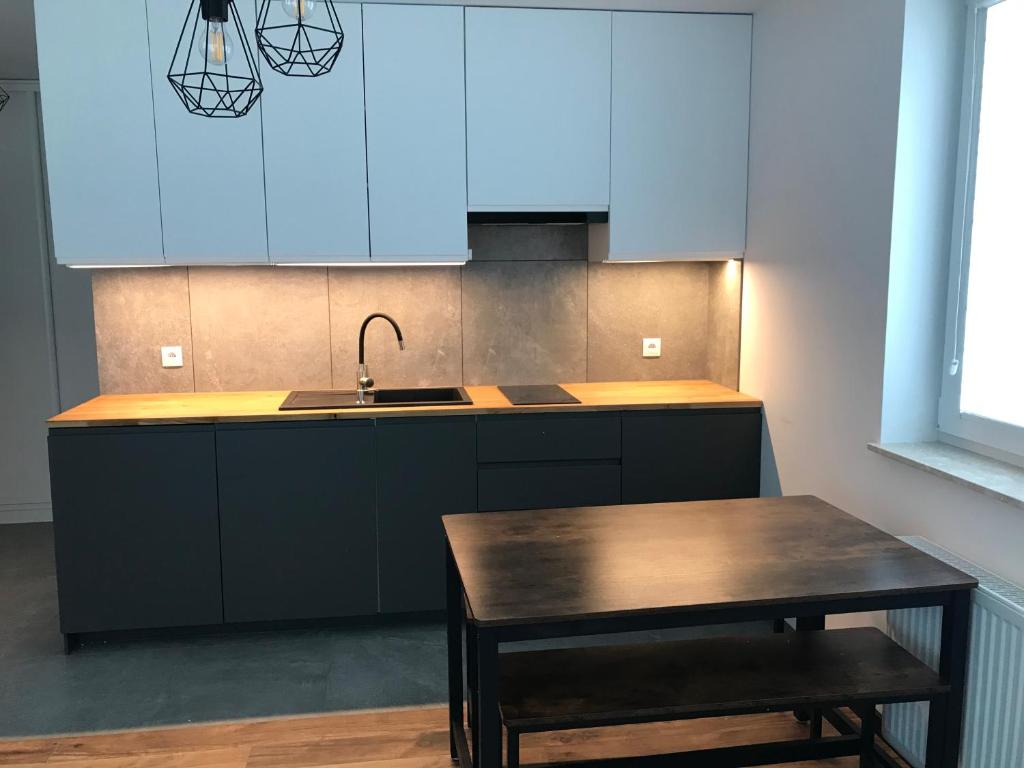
(210, 407)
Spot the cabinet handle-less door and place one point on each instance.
(416, 132)
(680, 119)
(538, 98)
(315, 156)
(98, 123)
(211, 170)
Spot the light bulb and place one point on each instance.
(299, 9)
(216, 46)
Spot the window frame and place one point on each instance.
(965, 429)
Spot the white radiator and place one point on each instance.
(994, 716)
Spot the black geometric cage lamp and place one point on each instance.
(213, 70)
(4, 98)
(299, 38)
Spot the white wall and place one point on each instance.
(824, 118)
(47, 341)
(926, 154)
(28, 390)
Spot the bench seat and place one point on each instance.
(650, 682)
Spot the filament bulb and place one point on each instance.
(216, 46)
(299, 9)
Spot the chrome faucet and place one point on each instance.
(364, 383)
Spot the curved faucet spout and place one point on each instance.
(362, 334)
(363, 381)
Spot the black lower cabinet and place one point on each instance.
(690, 455)
(426, 468)
(543, 460)
(297, 520)
(135, 527)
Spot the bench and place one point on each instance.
(652, 682)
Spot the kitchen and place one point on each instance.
(671, 221)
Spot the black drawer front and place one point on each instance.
(543, 487)
(549, 438)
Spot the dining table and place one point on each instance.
(570, 573)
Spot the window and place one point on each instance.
(983, 387)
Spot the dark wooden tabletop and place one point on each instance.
(601, 562)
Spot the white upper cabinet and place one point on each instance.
(314, 153)
(416, 132)
(538, 95)
(98, 126)
(211, 169)
(680, 119)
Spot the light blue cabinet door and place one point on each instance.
(314, 153)
(680, 119)
(416, 132)
(98, 124)
(538, 99)
(211, 169)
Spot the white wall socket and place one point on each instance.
(170, 357)
(652, 347)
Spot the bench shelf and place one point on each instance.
(615, 685)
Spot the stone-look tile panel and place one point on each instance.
(528, 242)
(260, 328)
(425, 301)
(137, 311)
(725, 281)
(524, 323)
(629, 302)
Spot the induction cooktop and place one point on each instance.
(537, 394)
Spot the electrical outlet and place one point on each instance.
(652, 347)
(170, 357)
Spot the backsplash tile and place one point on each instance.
(524, 322)
(260, 328)
(549, 317)
(528, 242)
(425, 302)
(137, 311)
(629, 302)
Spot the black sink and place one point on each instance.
(327, 399)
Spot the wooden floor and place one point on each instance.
(402, 738)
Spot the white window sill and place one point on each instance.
(972, 470)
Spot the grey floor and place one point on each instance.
(146, 682)
(164, 681)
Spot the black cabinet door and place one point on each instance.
(426, 468)
(297, 520)
(135, 527)
(690, 455)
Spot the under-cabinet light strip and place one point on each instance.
(373, 264)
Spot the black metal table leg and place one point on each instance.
(471, 674)
(867, 736)
(946, 713)
(488, 720)
(513, 748)
(810, 624)
(454, 608)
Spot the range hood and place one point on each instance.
(537, 217)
